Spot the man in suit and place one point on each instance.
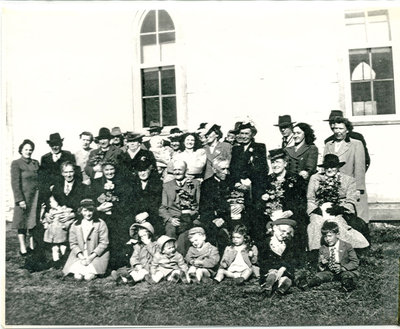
(249, 165)
(285, 125)
(180, 205)
(352, 134)
(214, 148)
(350, 151)
(106, 151)
(50, 165)
(214, 208)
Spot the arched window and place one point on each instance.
(157, 58)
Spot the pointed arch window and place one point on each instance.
(157, 55)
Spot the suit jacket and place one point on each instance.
(359, 137)
(128, 164)
(78, 192)
(347, 257)
(347, 192)
(305, 158)
(351, 152)
(290, 142)
(112, 153)
(222, 149)
(251, 164)
(96, 242)
(169, 207)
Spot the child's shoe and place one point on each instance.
(301, 283)
(348, 284)
(78, 277)
(285, 285)
(175, 277)
(184, 278)
(239, 281)
(116, 277)
(315, 281)
(193, 277)
(205, 279)
(149, 279)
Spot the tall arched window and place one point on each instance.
(157, 58)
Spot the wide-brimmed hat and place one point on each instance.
(155, 126)
(104, 133)
(284, 221)
(334, 114)
(145, 225)
(277, 154)
(55, 139)
(116, 131)
(214, 128)
(163, 239)
(284, 120)
(143, 164)
(132, 137)
(195, 230)
(87, 203)
(331, 161)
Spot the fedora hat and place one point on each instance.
(155, 126)
(284, 120)
(145, 225)
(116, 131)
(132, 137)
(55, 139)
(163, 239)
(334, 114)
(104, 133)
(214, 128)
(277, 154)
(331, 161)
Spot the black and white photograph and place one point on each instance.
(200, 163)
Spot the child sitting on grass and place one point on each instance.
(277, 261)
(167, 263)
(143, 252)
(337, 259)
(239, 258)
(56, 223)
(202, 257)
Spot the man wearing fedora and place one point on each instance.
(105, 150)
(50, 165)
(117, 138)
(351, 134)
(285, 125)
(249, 160)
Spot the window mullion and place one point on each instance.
(160, 95)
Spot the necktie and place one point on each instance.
(284, 142)
(67, 189)
(332, 260)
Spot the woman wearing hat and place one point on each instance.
(330, 195)
(303, 155)
(88, 239)
(24, 183)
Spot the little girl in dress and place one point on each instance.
(239, 258)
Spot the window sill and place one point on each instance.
(376, 123)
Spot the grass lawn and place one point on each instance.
(42, 298)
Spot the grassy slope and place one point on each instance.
(43, 299)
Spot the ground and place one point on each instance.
(43, 298)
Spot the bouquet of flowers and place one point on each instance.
(96, 159)
(273, 198)
(186, 199)
(327, 195)
(107, 198)
(236, 197)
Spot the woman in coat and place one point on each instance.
(24, 183)
(303, 155)
(88, 238)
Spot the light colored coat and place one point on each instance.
(96, 241)
(208, 255)
(143, 254)
(352, 152)
(230, 255)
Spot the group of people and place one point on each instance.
(190, 206)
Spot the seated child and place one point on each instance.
(239, 258)
(56, 223)
(167, 263)
(88, 240)
(201, 256)
(337, 259)
(143, 251)
(277, 259)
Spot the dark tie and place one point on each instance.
(284, 142)
(332, 260)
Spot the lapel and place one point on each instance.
(303, 148)
(343, 148)
(341, 250)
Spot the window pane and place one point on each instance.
(384, 96)
(150, 52)
(355, 18)
(361, 91)
(357, 57)
(149, 23)
(164, 21)
(168, 81)
(169, 111)
(151, 110)
(382, 62)
(167, 37)
(148, 40)
(378, 16)
(150, 82)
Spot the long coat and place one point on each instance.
(352, 152)
(96, 241)
(251, 164)
(24, 183)
(222, 149)
(305, 158)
